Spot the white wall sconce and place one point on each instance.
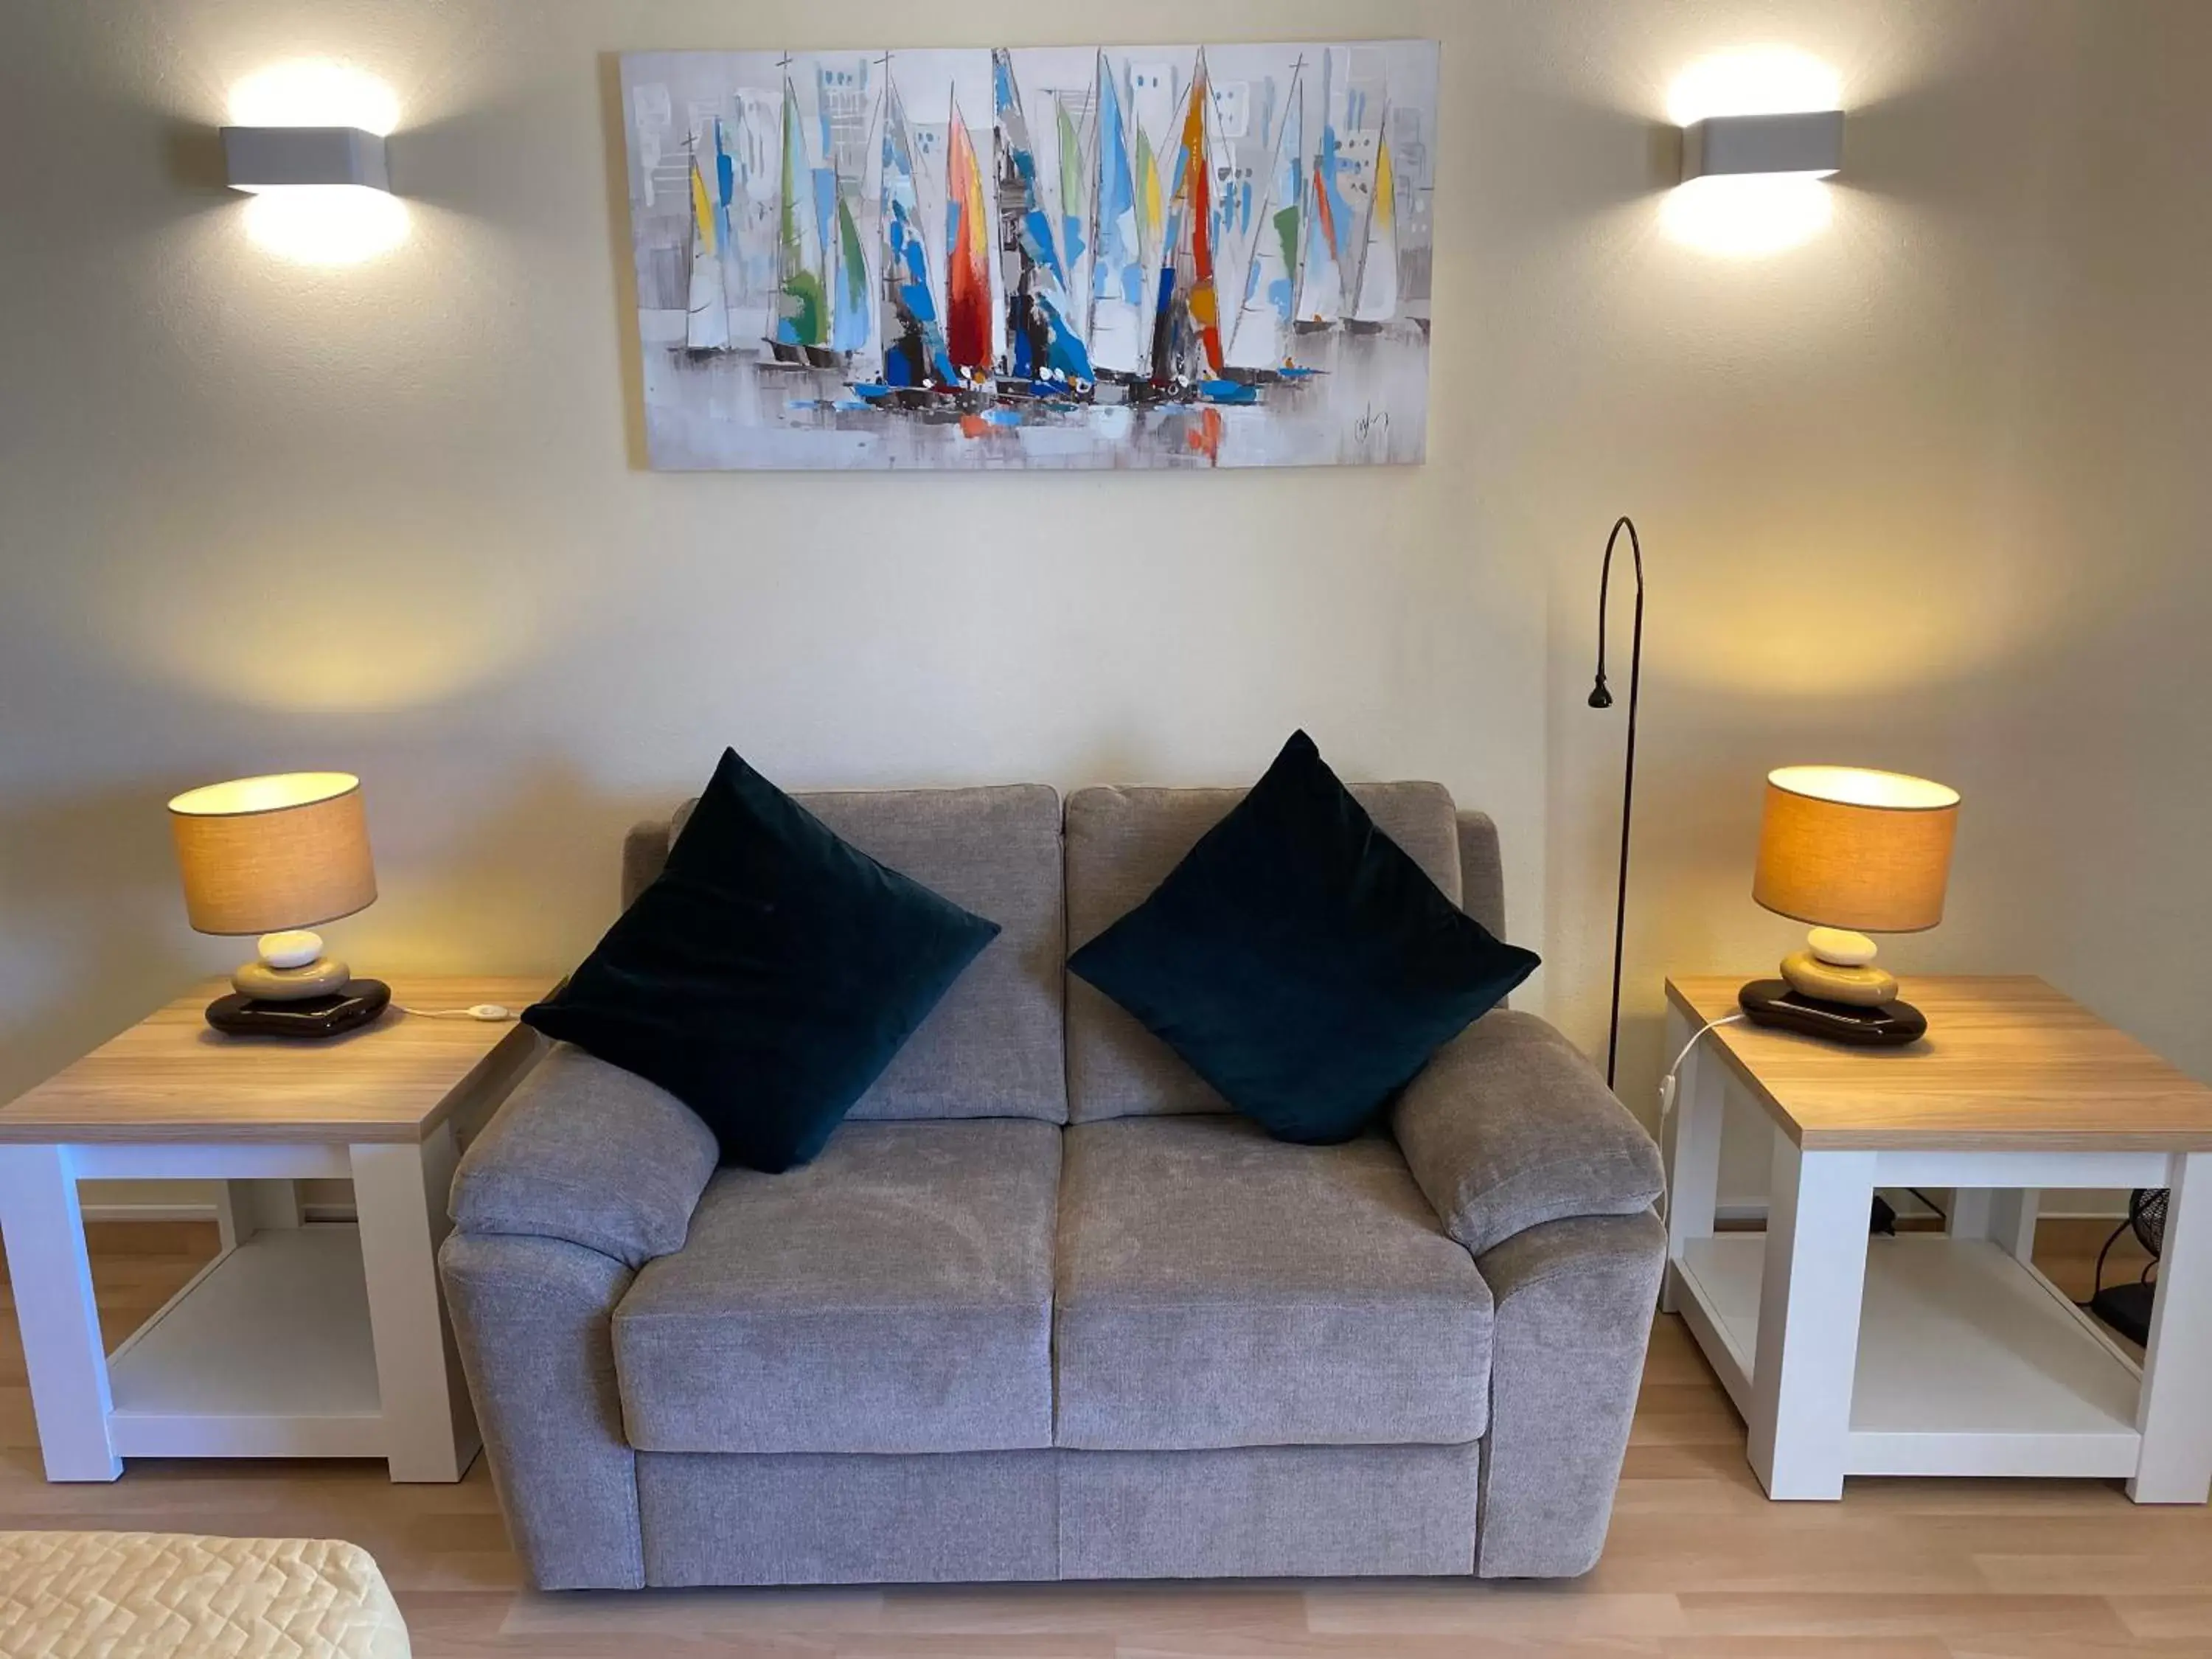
(1805, 143)
(1762, 130)
(256, 159)
(307, 143)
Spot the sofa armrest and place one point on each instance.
(1510, 1127)
(587, 1152)
(1575, 1304)
(532, 1319)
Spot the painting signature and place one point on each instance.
(1373, 427)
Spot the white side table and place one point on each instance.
(1942, 1354)
(317, 1340)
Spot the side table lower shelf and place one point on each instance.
(1969, 1362)
(312, 1340)
(266, 1352)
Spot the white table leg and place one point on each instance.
(2013, 1212)
(400, 1193)
(1970, 1212)
(233, 1215)
(1691, 1138)
(1808, 1320)
(2174, 1415)
(276, 1205)
(243, 1208)
(2003, 1215)
(51, 1278)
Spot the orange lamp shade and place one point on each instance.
(1845, 846)
(261, 854)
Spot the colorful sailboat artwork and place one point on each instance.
(914, 356)
(967, 256)
(1187, 326)
(802, 316)
(1044, 353)
(1377, 288)
(1074, 213)
(1117, 272)
(1061, 257)
(1328, 227)
(706, 308)
(1258, 338)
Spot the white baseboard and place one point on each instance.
(200, 1213)
(1752, 1212)
(149, 1212)
(1731, 1212)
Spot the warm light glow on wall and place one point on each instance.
(327, 224)
(314, 92)
(1757, 80)
(1750, 215)
(320, 224)
(284, 631)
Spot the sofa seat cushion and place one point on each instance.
(1215, 1287)
(893, 1296)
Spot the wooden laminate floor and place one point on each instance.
(1699, 1563)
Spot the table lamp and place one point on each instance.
(1851, 852)
(276, 856)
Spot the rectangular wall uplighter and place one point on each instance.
(277, 158)
(1806, 142)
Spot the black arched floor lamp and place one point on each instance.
(1601, 697)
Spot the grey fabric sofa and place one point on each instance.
(1044, 1308)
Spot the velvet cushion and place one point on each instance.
(767, 975)
(1299, 960)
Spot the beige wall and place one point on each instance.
(1927, 492)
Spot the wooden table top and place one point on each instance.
(2008, 1064)
(172, 1077)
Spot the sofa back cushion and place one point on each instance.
(1121, 843)
(993, 1047)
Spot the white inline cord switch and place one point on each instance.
(491, 1013)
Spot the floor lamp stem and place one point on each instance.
(1601, 697)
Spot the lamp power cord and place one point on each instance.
(1669, 1085)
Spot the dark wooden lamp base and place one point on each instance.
(1887, 1025)
(353, 1004)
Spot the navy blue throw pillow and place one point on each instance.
(768, 975)
(1299, 960)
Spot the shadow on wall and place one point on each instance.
(88, 885)
(192, 158)
(526, 885)
(611, 127)
(508, 162)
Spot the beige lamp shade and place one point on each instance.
(262, 854)
(1845, 846)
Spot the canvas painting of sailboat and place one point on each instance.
(1075, 258)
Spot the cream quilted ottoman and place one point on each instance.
(175, 1595)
